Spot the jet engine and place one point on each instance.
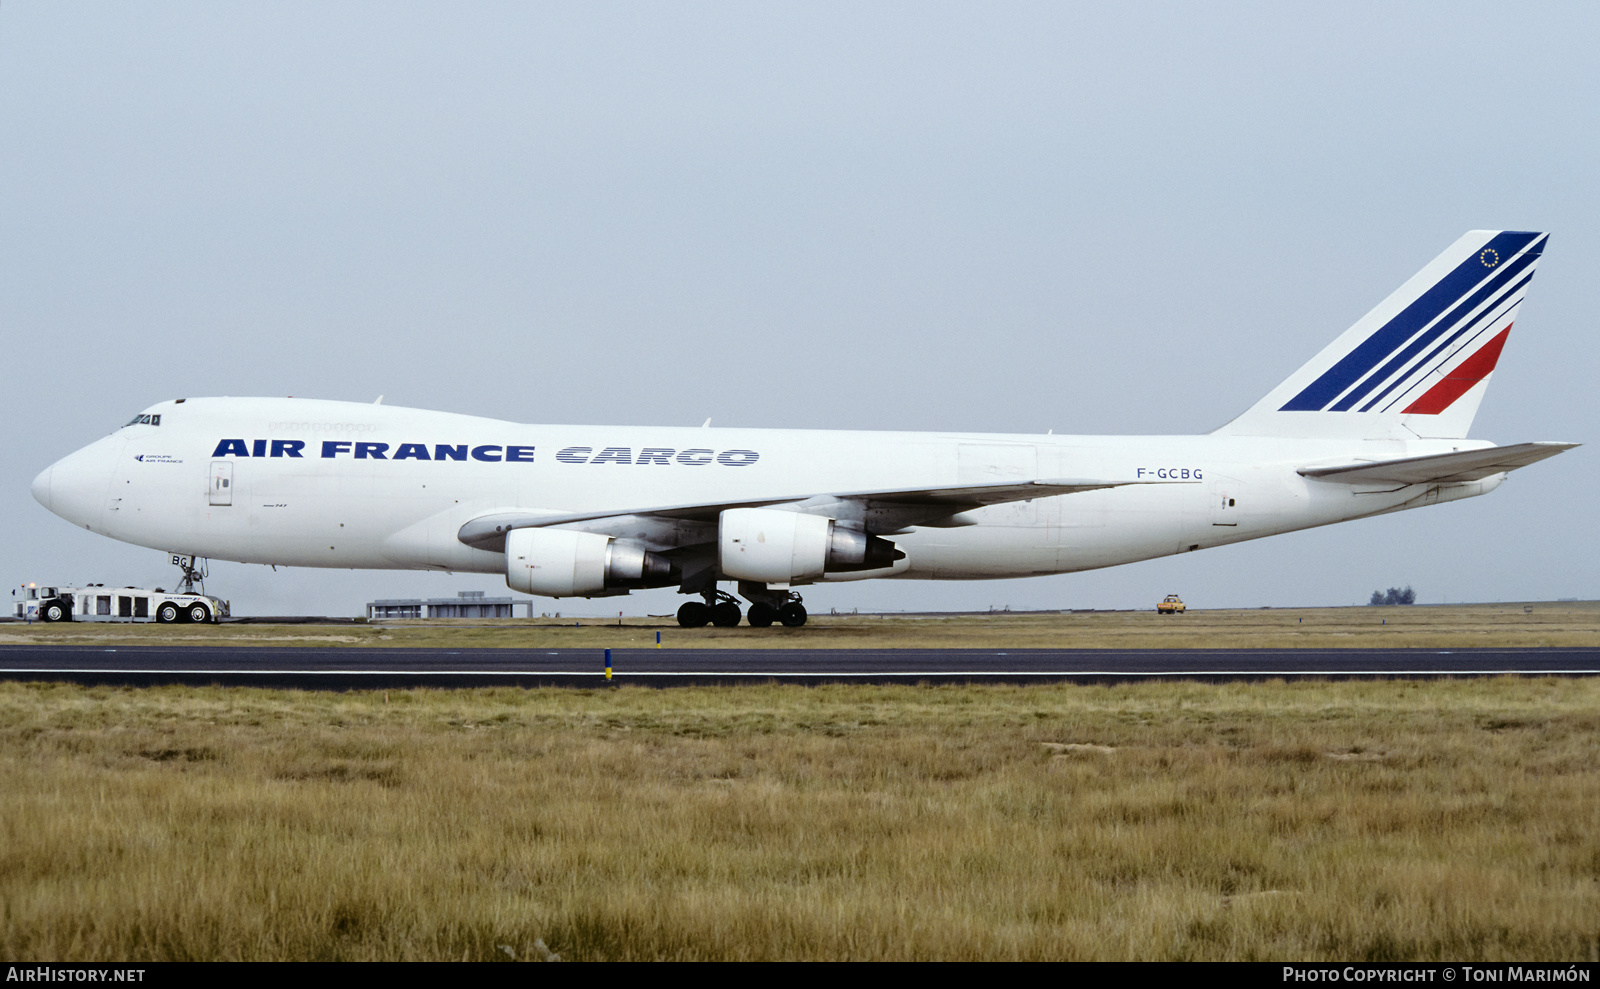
(774, 547)
(562, 563)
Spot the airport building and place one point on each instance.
(466, 604)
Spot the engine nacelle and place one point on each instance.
(773, 547)
(560, 563)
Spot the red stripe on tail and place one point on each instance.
(1455, 384)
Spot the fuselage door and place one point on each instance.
(1001, 463)
(996, 463)
(1224, 506)
(1236, 502)
(221, 482)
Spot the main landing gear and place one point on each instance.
(790, 615)
(720, 609)
(766, 608)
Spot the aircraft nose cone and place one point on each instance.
(75, 487)
(41, 487)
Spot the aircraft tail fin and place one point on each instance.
(1418, 364)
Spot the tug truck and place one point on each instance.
(99, 603)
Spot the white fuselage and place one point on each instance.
(383, 487)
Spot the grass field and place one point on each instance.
(1342, 821)
(1432, 627)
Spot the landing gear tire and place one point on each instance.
(693, 614)
(725, 614)
(167, 614)
(793, 614)
(762, 615)
(198, 614)
(53, 612)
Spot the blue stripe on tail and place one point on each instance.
(1394, 334)
(1443, 326)
(1492, 312)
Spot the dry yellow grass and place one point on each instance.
(1432, 627)
(1352, 820)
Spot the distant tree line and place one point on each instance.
(1395, 595)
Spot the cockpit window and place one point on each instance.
(145, 419)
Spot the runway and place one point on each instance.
(397, 668)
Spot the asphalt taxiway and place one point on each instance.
(399, 668)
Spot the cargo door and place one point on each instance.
(994, 463)
(1003, 463)
(221, 482)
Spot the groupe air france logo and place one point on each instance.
(1489, 256)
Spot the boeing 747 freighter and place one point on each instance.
(1376, 422)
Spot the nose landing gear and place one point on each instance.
(194, 574)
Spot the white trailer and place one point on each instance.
(99, 603)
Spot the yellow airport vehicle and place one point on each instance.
(1171, 605)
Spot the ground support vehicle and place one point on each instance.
(98, 603)
(1171, 605)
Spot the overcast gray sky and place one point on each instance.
(1092, 218)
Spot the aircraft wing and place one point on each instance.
(1464, 465)
(978, 495)
(891, 508)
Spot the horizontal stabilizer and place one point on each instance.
(1444, 468)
